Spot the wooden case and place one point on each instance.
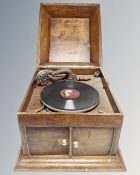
(70, 36)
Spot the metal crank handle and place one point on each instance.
(40, 109)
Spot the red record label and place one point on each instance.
(69, 93)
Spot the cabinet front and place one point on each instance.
(47, 141)
(91, 141)
(75, 142)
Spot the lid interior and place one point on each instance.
(69, 33)
(69, 40)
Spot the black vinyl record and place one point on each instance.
(69, 96)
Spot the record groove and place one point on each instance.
(69, 96)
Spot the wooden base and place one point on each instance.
(63, 163)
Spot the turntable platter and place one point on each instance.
(69, 96)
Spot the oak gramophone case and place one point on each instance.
(69, 36)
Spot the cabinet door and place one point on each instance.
(49, 141)
(92, 141)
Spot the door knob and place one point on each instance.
(64, 142)
(75, 144)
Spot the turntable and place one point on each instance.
(69, 119)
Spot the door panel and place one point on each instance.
(92, 141)
(43, 140)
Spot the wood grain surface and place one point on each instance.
(70, 33)
(77, 163)
(92, 141)
(69, 40)
(47, 141)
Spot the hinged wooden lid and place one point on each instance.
(69, 34)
